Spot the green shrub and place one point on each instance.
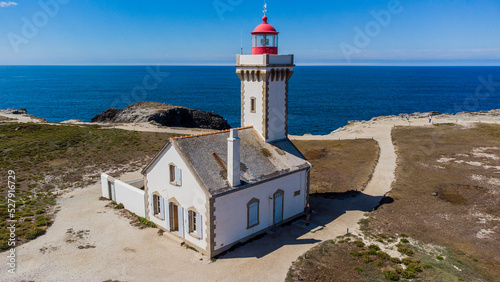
(360, 244)
(395, 260)
(41, 220)
(374, 247)
(119, 206)
(408, 275)
(427, 266)
(358, 269)
(404, 235)
(379, 263)
(404, 249)
(383, 255)
(408, 261)
(391, 275)
(356, 254)
(147, 222)
(439, 258)
(32, 234)
(367, 259)
(405, 240)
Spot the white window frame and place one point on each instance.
(253, 224)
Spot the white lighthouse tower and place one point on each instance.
(264, 84)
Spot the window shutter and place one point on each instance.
(167, 214)
(181, 221)
(152, 204)
(178, 176)
(199, 225)
(162, 209)
(186, 223)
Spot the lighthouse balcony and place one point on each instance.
(264, 60)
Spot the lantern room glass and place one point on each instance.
(265, 40)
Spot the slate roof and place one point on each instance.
(260, 161)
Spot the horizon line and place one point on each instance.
(232, 65)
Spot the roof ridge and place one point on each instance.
(210, 133)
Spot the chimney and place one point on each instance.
(233, 158)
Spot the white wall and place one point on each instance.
(190, 194)
(231, 209)
(131, 197)
(104, 186)
(277, 105)
(277, 110)
(254, 89)
(250, 59)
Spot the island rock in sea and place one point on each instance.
(163, 114)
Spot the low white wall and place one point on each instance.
(132, 198)
(104, 185)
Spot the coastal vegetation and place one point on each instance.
(50, 159)
(443, 220)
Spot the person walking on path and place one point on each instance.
(430, 118)
(307, 211)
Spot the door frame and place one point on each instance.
(282, 205)
(111, 190)
(174, 216)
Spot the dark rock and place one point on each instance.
(109, 115)
(165, 115)
(21, 111)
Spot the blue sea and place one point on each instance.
(321, 99)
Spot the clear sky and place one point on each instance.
(124, 32)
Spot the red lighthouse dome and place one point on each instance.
(265, 39)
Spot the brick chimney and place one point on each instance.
(233, 158)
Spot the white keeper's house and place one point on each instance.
(218, 189)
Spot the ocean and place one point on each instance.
(321, 98)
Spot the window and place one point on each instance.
(175, 175)
(253, 213)
(195, 224)
(253, 104)
(192, 221)
(157, 206)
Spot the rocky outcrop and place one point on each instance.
(163, 114)
(21, 111)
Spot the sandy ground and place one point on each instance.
(126, 253)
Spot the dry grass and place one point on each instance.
(4, 118)
(340, 166)
(442, 199)
(50, 158)
(446, 212)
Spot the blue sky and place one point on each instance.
(123, 32)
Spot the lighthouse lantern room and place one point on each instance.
(265, 39)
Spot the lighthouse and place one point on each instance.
(264, 79)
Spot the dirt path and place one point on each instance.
(113, 249)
